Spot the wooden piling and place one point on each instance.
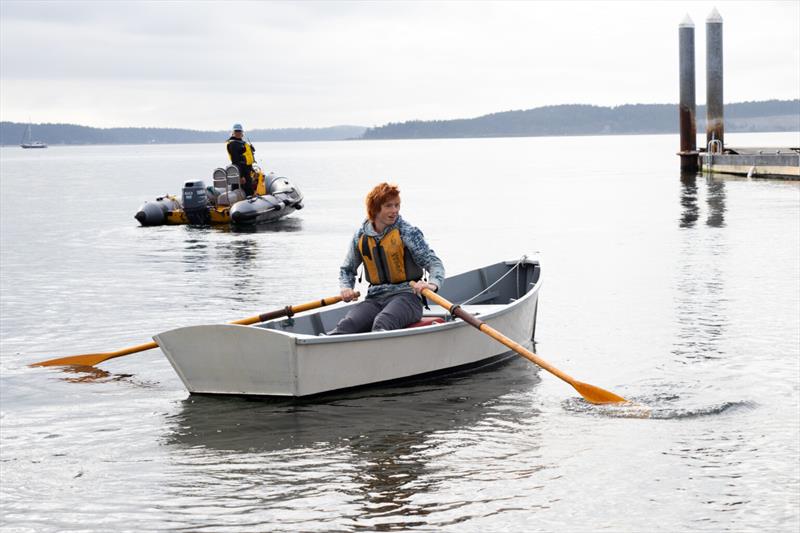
(715, 129)
(687, 107)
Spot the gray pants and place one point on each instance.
(374, 314)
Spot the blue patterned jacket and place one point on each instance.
(415, 243)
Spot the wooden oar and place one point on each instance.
(589, 392)
(91, 359)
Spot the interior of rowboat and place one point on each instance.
(479, 292)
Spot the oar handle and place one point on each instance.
(290, 310)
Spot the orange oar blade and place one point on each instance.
(91, 359)
(596, 395)
(590, 393)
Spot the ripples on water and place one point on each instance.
(367, 460)
(665, 408)
(680, 293)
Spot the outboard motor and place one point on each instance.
(155, 213)
(195, 202)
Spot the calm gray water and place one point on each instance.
(681, 294)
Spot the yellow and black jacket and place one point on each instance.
(241, 152)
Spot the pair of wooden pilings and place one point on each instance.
(687, 108)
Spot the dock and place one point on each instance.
(780, 163)
(715, 157)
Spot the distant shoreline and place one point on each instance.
(549, 121)
(796, 131)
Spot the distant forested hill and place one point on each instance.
(12, 132)
(770, 115)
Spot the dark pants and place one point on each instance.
(246, 172)
(375, 314)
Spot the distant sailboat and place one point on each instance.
(27, 141)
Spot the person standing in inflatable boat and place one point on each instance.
(241, 153)
(393, 253)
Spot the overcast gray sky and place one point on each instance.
(207, 64)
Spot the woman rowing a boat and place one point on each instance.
(393, 253)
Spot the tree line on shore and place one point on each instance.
(11, 133)
(770, 115)
(571, 119)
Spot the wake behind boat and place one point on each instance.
(293, 358)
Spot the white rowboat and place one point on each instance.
(290, 358)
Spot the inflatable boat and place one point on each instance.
(224, 202)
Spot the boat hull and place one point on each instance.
(264, 209)
(28, 142)
(247, 360)
(164, 210)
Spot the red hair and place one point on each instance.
(379, 195)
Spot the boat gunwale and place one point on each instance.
(502, 309)
(307, 339)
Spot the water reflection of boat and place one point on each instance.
(28, 142)
(258, 424)
(290, 358)
(384, 447)
(284, 225)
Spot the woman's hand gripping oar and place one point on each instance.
(91, 359)
(589, 392)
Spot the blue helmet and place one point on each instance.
(237, 127)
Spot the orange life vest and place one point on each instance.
(388, 261)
